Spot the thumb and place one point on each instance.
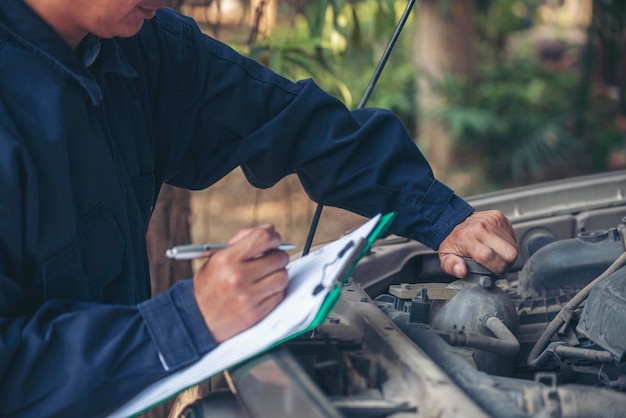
(453, 265)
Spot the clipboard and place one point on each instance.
(302, 310)
(361, 249)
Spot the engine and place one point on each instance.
(553, 332)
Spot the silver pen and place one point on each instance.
(191, 251)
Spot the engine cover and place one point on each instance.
(604, 318)
(569, 264)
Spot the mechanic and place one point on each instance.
(104, 100)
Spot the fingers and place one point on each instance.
(274, 293)
(486, 237)
(240, 285)
(249, 243)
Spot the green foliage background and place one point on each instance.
(338, 43)
(516, 121)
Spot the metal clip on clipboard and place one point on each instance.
(348, 265)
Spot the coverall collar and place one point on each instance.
(26, 27)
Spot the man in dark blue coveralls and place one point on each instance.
(101, 101)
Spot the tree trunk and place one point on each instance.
(169, 226)
(263, 15)
(444, 45)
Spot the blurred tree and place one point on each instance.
(609, 25)
(168, 227)
(540, 102)
(444, 46)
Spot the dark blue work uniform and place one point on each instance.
(86, 140)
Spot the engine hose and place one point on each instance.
(504, 343)
(538, 356)
(584, 354)
(507, 343)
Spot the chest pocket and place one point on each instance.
(82, 269)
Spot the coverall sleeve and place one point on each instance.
(233, 112)
(76, 359)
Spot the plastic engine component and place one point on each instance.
(604, 318)
(569, 263)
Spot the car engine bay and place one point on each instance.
(406, 340)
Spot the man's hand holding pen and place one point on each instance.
(240, 284)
